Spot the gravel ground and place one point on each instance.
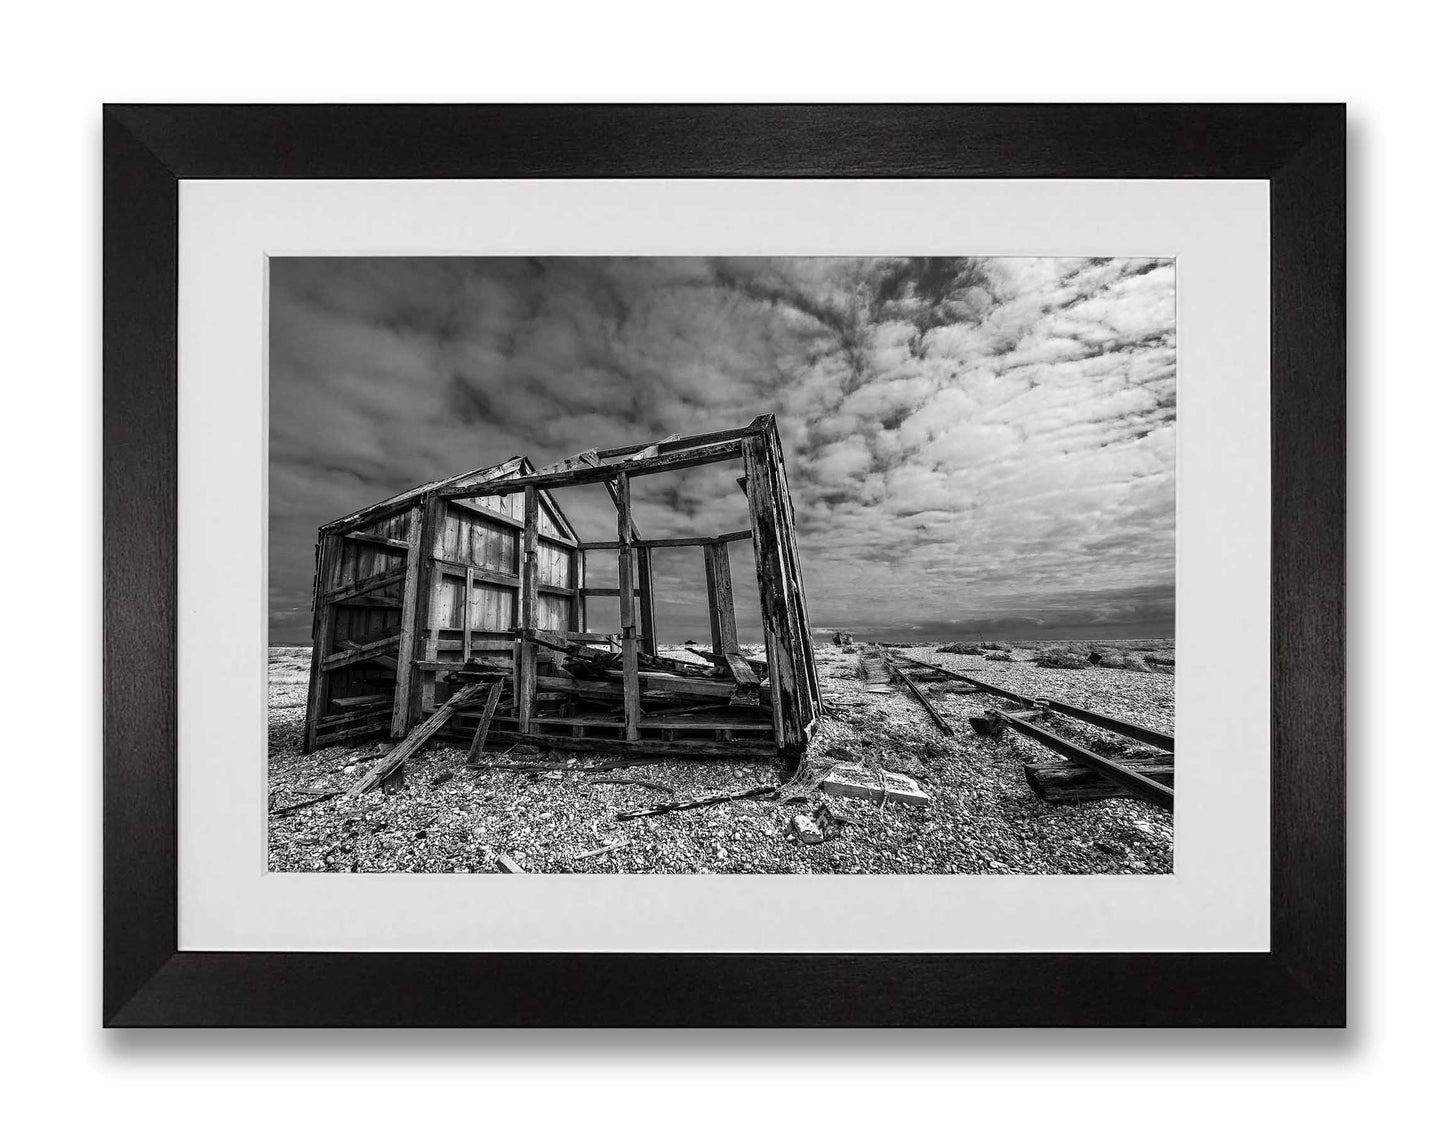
(983, 817)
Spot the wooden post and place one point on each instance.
(323, 626)
(773, 596)
(646, 606)
(467, 617)
(422, 689)
(526, 680)
(579, 580)
(631, 693)
(406, 649)
(722, 614)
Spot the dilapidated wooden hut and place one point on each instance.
(461, 606)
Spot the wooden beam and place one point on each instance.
(357, 652)
(378, 541)
(526, 672)
(429, 579)
(704, 748)
(480, 739)
(467, 616)
(669, 541)
(415, 740)
(722, 614)
(364, 586)
(683, 442)
(593, 475)
(323, 625)
(371, 514)
(631, 699)
(409, 624)
(645, 601)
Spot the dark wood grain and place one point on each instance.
(1300, 981)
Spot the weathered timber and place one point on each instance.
(355, 652)
(323, 624)
(631, 699)
(365, 586)
(595, 475)
(527, 615)
(708, 749)
(479, 740)
(406, 648)
(722, 616)
(414, 741)
(376, 541)
(669, 541)
(1074, 782)
(668, 445)
(362, 701)
(380, 511)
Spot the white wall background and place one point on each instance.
(64, 60)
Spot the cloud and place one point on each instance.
(968, 440)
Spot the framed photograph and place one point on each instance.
(724, 565)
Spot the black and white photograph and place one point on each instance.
(646, 565)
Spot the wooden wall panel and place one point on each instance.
(553, 612)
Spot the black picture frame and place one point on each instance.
(1299, 149)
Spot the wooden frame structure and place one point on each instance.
(481, 577)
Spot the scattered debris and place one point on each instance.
(283, 810)
(444, 777)
(623, 779)
(608, 848)
(505, 864)
(711, 800)
(875, 785)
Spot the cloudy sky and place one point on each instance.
(976, 447)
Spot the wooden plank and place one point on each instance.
(510, 522)
(684, 442)
(701, 748)
(480, 739)
(742, 672)
(372, 514)
(669, 542)
(406, 647)
(356, 652)
(526, 672)
(595, 475)
(722, 614)
(467, 615)
(771, 596)
(365, 586)
(362, 701)
(379, 541)
(578, 619)
(428, 592)
(323, 626)
(415, 740)
(645, 601)
(631, 699)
